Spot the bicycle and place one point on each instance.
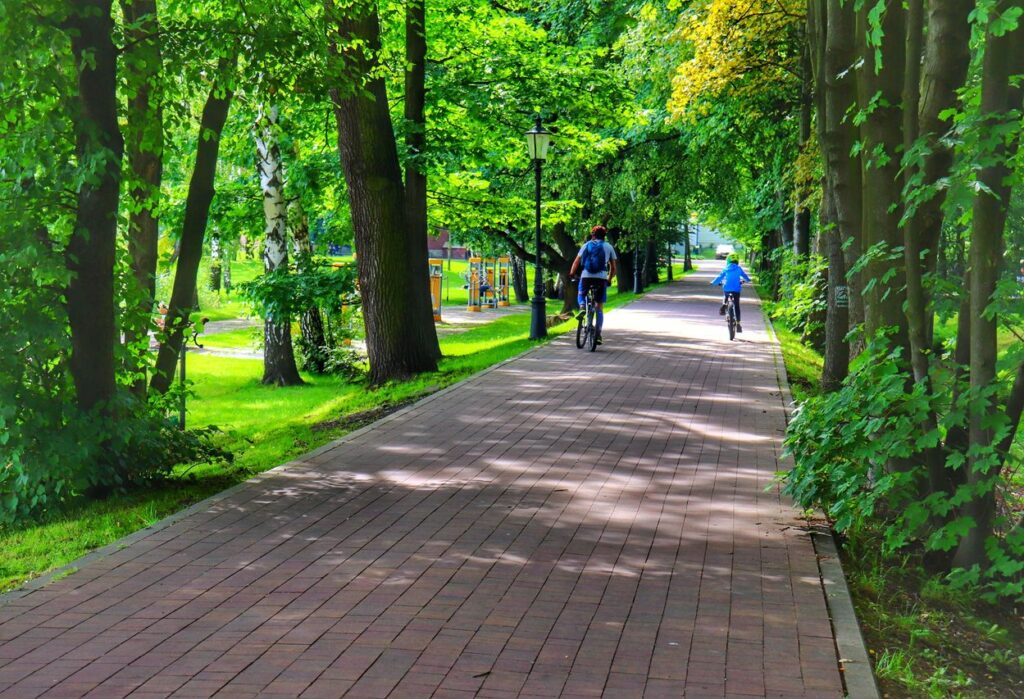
(730, 316)
(586, 328)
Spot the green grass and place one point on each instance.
(803, 364)
(262, 426)
(242, 338)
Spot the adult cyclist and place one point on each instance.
(731, 279)
(597, 260)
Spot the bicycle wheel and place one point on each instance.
(591, 331)
(731, 318)
(581, 335)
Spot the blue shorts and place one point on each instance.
(600, 287)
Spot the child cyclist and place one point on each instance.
(731, 279)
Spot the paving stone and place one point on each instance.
(567, 524)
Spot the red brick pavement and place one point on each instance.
(567, 524)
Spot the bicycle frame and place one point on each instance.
(586, 331)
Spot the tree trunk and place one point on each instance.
(92, 248)
(193, 228)
(395, 340)
(787, 224)
(145, 152)
(415, 168)
(278, 353)
(880, 82)
(837, 350)
(519, 285)
(311, 323)
(802, 215)
(651, 262)
(668, 267)
(840, 137)
(1004, 57)
(946, 58)
(624, 268)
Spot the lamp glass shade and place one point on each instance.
(537, 142)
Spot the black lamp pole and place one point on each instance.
(638, 280)
(538, 319)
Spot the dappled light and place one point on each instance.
(639, 491)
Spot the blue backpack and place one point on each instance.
(593, 257)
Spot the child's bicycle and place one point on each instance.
(586, 330)
(730, 316)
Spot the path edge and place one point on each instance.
(851, 651)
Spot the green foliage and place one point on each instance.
(860, 455)
(844, 442)
(284, 294)
(797, 286)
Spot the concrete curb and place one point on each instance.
(852, 654)
(63, 571)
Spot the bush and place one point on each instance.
(860, 455)
(800, 292)
(326, 300)
(95, 455)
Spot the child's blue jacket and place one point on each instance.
(732, 275)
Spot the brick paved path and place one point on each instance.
(567, 524)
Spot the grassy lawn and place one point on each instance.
(263, 427)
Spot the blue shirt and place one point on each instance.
(732, 275)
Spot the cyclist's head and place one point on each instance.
(598, 232)
(733, 259)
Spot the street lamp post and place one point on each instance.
(537, 141)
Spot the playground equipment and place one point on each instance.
(436, 275)
(503, 274)
(487, 281)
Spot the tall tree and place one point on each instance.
(1004, 58)
(415, 167)
(278, 352)
(92, 248)
(840, 136)
(311, 322)
(193, 229)
(396, 345)
(880, 92)
(944, 70)
(145, 136)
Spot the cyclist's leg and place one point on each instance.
(600, 296)
(736, 302)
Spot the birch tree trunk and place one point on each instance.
(366, 141)
(1004, 57)
(145, 133)
(278, 354)
(92, 248)
(193, 228)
